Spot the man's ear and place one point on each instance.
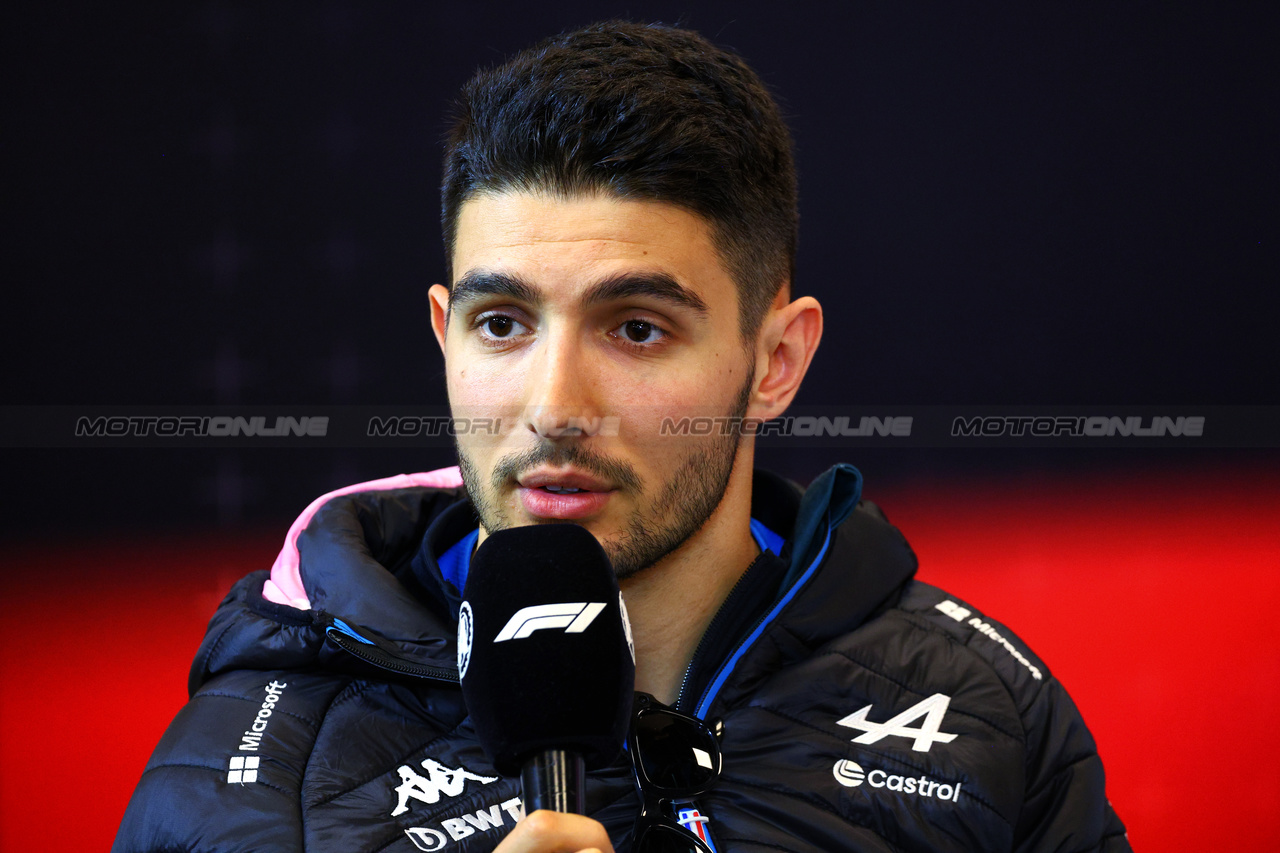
(439, 296)
(788, 338)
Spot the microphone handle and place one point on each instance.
(554, 779)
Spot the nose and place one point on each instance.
(562, 389)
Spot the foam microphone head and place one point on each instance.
(544, 648)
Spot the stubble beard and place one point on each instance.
(682, 505)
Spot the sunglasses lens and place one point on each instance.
(676, 755)
(660, 838)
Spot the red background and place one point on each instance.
(1150, 594)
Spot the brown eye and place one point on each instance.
(638, 331)
(499, 327)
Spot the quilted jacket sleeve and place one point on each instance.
(1066, 808)
(201, 792)
(227, 774)
(1061, 804)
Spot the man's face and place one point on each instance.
(580, 324)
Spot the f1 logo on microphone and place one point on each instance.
(573, 616)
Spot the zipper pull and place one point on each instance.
(353, 643)
(344, 628)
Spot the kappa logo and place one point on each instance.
(572, 616)
(439, 781)
(923, 737)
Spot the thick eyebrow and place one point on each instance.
(476, 284)
(654, 285)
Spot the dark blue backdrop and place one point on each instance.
(235, 203)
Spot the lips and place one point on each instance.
(564, 480)
(565, 495)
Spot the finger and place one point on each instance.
(553, 832)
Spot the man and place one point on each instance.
(620, 215)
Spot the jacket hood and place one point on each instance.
(354, 570)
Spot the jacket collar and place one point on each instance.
(372, 560)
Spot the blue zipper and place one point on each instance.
(722, 674)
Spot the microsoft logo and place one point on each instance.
(243, 769)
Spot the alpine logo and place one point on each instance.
(850, 775)
(439, 781)
(573, 617)
(923, 737)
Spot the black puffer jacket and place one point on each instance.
(862, 710)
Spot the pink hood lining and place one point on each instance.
(285, 584)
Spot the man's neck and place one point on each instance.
(671, 603)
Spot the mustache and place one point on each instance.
(618, 473)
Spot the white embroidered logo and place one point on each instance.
(426, 838)
(243, 769)
(849, 773)
(932, 709)
(486, 819)
(440, 780)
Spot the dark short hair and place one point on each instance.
(638, 112)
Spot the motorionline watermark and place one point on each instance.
(431, 426)
(1156, 426)
(361, 426)
(799, 426)
(199, 426)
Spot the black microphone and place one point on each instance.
(546, 659)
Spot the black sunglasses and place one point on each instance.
(673, 757)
